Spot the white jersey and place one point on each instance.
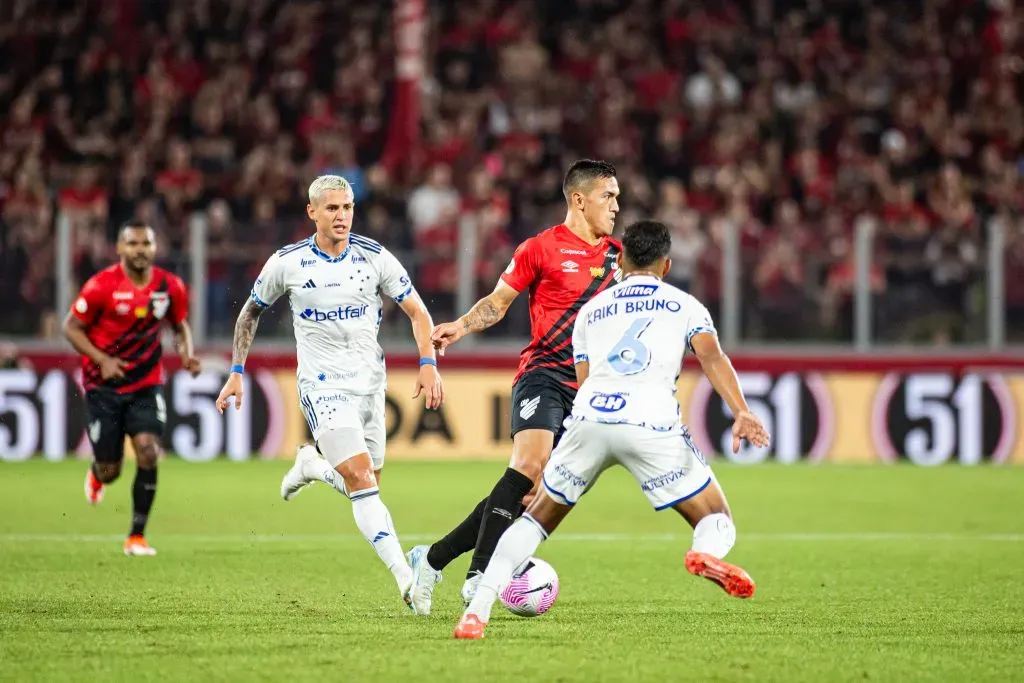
(336, 310)
(634, 336)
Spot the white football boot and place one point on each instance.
(295, 479)
(425, 578)
(469, 588)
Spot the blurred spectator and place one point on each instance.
(789, 122)
(10, 358)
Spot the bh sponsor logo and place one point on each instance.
(608, 403)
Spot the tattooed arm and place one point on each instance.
(490, 309)
(245, 332)
(484, 313)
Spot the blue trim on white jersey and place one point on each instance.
(684, 498)
(258, 301)
(620, 421)
(581, 358)
(365, 243)
(698, 330)
(311, 418)
(324, 255)
(565, 499)
(284, 251)
(401, 297)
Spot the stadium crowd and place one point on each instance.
(791, 120)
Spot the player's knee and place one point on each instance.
(147, 454)
(107, 472)
(357, 478)
(531, 449)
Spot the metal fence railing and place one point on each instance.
(951, 302)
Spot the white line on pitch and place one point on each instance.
(796, 537)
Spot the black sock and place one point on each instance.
(503, 506)
(143, 493)
(459, 540)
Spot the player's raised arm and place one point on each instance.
(722, 375)
(485, 312)
(522, 271)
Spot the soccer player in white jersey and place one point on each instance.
(334, 280)
(628, 346)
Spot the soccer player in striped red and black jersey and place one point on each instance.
(116, 324)
(561, 269)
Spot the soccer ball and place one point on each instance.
(532, 591)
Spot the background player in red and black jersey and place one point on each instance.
(116, 324)
(562, 268)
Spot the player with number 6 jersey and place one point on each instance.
(628, 347)
(562, 268)
(116, 323)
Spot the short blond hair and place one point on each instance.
(325, 183)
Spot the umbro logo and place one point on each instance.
(528, 406)
(570, 267)
(309, 285)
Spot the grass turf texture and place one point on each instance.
(864, 573)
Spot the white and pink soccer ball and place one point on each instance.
(532, 591)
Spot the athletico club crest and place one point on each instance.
(596, 271)
(160, 301)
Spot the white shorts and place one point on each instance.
(364, 414)
(667, 465)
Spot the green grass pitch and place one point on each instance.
(864, 574)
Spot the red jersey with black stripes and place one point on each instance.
(562, 272)
(124, 321)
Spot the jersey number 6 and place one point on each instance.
(629, 355)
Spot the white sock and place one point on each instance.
(714, 535)
(321, 470)
(514, 548)
(374, 521)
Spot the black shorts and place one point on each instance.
(540, 401)
(112, 416)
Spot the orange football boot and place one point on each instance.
(733, 580)
(136, 546)
(93, 488)
(470, 628)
